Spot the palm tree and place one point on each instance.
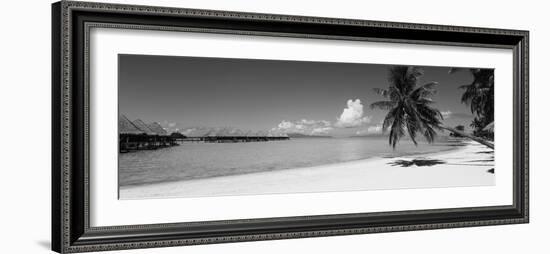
(409, 107)
(480, 96)
(458, 128)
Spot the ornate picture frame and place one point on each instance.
(71, 202)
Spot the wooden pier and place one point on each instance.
(137, 135)
(233, 139)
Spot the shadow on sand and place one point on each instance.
(491, 160)
(486, 152)
(417, 162)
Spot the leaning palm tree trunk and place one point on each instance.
(472, 137)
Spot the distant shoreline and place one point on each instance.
(450, 168)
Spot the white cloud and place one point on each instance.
(352, 116)
(361, 132)
(304, 126)
(321, 130)
(285, 125)
(305, 121)
(375, 129)
(446, 114)
(169, 126)
(188, 131)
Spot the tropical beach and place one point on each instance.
(199, 127)
(467, 165)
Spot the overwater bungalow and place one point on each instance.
(163, 138)
(177, 137)
(137, 135)
(130, 136)
(225, 135)
(152, 141)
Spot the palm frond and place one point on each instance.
(388, 120)
(414, 72)
(408, 105)
(380, 91)
(479, 94)
(425, 101)
(412, 127)
(424, 91)
(430, 134)
(397, 129)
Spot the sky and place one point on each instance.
(313, 98)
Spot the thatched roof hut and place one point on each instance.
(177, 135)
(155, 127)
(125, 126)
(143, 127)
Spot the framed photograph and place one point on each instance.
(181, 126)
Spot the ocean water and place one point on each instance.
(202, 160)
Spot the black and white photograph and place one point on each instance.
(212, 126)
(205, 126)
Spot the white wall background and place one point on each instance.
(25, 127)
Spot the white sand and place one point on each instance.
(466, 166)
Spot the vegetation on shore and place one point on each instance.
(480, 96)
(410, 106)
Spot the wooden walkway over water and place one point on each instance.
(233, 139)
(137, 135)
(146, 142)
